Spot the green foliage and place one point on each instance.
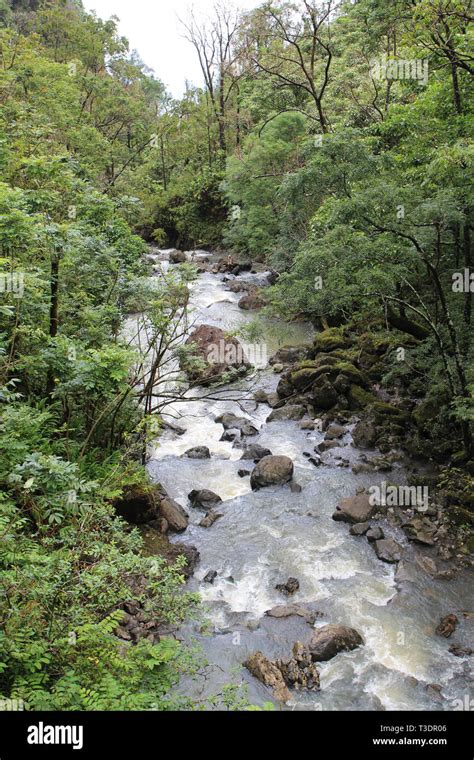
(76, 113)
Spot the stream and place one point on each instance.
(266, 536)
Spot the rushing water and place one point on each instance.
(267, 536)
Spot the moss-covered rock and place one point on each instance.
(304, 378)
(284, 387)
(330, 340)
(352, 374)
(359, 398)
(381, 411)
(323, 394)
(428, 410)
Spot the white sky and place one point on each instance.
(152, 28)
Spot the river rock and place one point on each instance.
(288, 412)
(355, 509)
(174, 514)
(428, 565)
(334, 431)
(359, 529)
(210, 519)
(323, 394)
(288, 610)
(420, 530)
(236, 286)
(406, 572)
(290, 586)
(230, 421)
(231, 435)
(251, 301)
(271, 471)
(447, 626)
(460, 651)
(364, 434)
(255, 452)
(388, 550)
(204, 499)
(210, 576)
(268, 673)
(178, 429)
(307, 425)
(198, 452)
(375, 534)
(299, 671)
(273, 400)
(329, 640)
(327, 445)
(313, 459)
(212, 354)
(177, 257)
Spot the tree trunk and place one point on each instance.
(53, 315)
(467, 265)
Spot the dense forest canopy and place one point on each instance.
(331, 141)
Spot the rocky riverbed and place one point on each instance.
(316, 597)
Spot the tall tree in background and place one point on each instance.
(214, 44)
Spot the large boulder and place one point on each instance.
(212, 354)
(329, 640)
(174, 514)
(355, 509)
(271, 471)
